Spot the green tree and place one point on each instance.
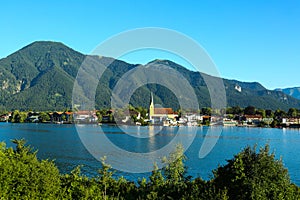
(18, 117)
(293, 112)
(142, 111)
(99, 115)
(206, 111)
(112, 188)
(111, 118)
(175, 174)
(237, 110)
(252, 175)
(175, 169)
(249, 175)
(278, 114)
(157, 182)
(274, 123)
(269, 113)
(24, 176)
(250, 110)
(77, 186)
(44, 117)
(261, 112)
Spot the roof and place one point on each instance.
(253, 116)
(166, 111)
(59, 113)
(206, 117)
(83, 112)
(131, 112)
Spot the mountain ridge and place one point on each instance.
(40, 76)
(292, 91)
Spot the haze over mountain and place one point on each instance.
(294, 91)
(41, 76)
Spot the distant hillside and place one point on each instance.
(41, 75)
(294, 92)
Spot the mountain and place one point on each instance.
(294, 92)
(238, 93)
(41, 76)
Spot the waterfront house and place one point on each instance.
(56, 117)
(290, 121)
(5, 117)
(61, 117)
(191, 117)
(252, 119)
(85, 116)
(129, 114)
(33, 117)
(229, 122)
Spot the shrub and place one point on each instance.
(252, 175)
(24, 176)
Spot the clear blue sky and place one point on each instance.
(248, 40)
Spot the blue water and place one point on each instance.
(63, 144)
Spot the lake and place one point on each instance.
(65, 144)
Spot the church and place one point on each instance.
(158, 115)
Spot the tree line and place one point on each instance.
(106, 115)
(251, 174)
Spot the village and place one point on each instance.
(159, 116)
(249, 117)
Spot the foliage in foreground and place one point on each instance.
(249, 175)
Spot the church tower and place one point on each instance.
(151, 107)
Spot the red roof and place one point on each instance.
(83, 112)
(162, 111)
(69, 113)
(253, 116)
(206, 117)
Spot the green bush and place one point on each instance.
(252, 175)
(24, 176)
(249, 175)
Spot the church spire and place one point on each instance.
(151, 98)
(151, 107)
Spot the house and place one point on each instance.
(5, 117)
(238, 88)
(290, 121)
(229, 122)
(268, 120)
(158, 115)
(61, 117)
(56, 117)
(191, 117)
(252, 119)
(33, 117)
(129, 114)
(85, 116)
